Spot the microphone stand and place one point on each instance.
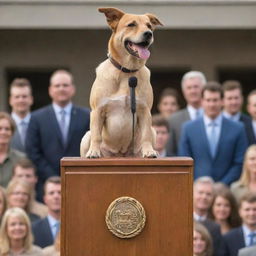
(132, 85)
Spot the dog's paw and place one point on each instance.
(93, 153)
(149, 154)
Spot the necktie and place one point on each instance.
(57, 228)
(213, 138)
(23, 132)
(198, 113)
(252, 236)
(63, 125)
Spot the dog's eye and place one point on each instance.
(131, 24)
(149, 26)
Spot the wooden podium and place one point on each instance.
(162, 186)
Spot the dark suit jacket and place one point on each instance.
(44, 140)
(175, 123)
(234, 240)
(214, 230)
(42, 233)
(227, 164)
(247, 121)
(16, 142)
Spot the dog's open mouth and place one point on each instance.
(139, 50)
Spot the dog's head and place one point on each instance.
(132, 34)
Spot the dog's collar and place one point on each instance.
(118, 66)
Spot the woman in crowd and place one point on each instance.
(224, 210)
(53, 250)
(202, 241)
(247, 181)
(15, 235)
(8, 156)
(19, 194)
(168, 102)
(3, 203)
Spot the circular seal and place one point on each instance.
(125, 217)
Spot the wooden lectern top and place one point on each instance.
(167, 161)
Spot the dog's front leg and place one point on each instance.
(147, 134)
(97, 120)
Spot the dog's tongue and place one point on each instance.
(144, 53)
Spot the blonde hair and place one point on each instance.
(2, 193)
(198, 227)
(245, 176)
(24, 184)
(4, 115)
(5, 245)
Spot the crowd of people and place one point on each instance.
(212, 129)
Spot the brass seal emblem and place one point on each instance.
(125, 217)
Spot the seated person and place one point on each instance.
(224, 210)
(17, 243)
(19, 194)
(168, 102)
(24, 169)
(202, 241)
(245, 235)
(247, 181)
(161, 126)
(202, 201)
(45, 230)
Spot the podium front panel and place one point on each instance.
(162, 186)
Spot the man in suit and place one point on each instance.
(244, 236)
(232, 104)
(202, 201)
(216, 144)
(45, 230)
(192, 84)
(20, 100)
(161, 126)
(247, 251)
(251, 108)
(56, 130)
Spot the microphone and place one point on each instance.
(132, 84)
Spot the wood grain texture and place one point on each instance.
(162, 186)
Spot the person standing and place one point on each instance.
(216, 144)
(20, 100)
(192, 84)
(251, 108)
(232, 105)
(56, 130)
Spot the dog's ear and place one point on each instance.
(113, 16)
(154, 20)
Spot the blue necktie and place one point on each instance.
(213, 138)
(252, 235)
(57, 228)
(63, 126)
(23, 131)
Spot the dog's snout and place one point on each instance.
(148, 35)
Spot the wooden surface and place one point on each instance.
(162, 186)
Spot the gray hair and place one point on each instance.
(193, 74)
(204, 180)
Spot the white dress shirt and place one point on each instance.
(19, 120)
(193, 112)
(235, 117)
(247, 232)
(53, 225)
(208, 127)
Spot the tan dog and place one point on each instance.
(111, 118)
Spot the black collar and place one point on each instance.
(118, 66)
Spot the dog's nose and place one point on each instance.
(148, 35)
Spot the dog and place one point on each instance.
(111, 124)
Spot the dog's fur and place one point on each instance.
(111, 119)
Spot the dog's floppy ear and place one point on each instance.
(153, 19)
(113, 16)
